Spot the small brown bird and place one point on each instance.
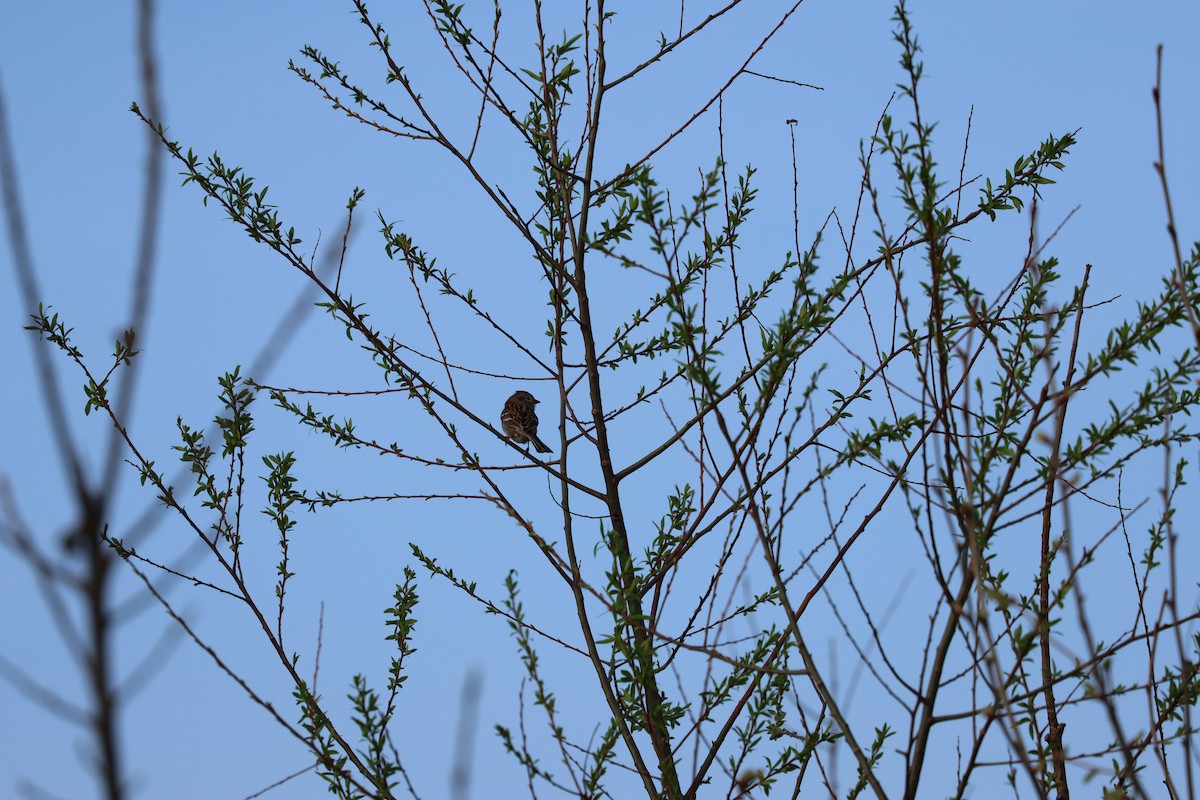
(519, 420)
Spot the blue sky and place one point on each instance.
(67, 73)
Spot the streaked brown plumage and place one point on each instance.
(519, 420)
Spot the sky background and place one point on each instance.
(67, 72)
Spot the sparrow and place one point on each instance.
(519, 420)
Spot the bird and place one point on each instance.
(519, 420)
